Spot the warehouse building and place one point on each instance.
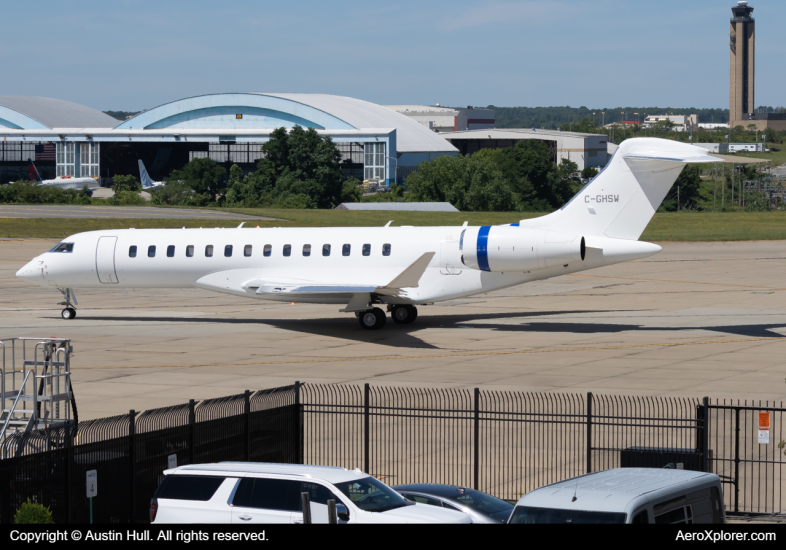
(376, 143)
(586, 150)
(448, 119)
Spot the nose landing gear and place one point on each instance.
(70, 311)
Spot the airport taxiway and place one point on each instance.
(112, 212)
(697, 319)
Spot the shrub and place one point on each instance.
(127, 198)
(125, 183)
(33, 513)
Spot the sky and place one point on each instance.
(136, 54)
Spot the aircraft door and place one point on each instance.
(105, 260)
(450, 258)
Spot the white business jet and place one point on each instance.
(147, 182)
(397, 267)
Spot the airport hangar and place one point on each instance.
(67, 139)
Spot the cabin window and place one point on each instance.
(132, 251)
(228, 251)
(367, 250)
(151, 251)
(326, 250)
(386, 250)
(63, 247)
(190, 251)
(209, 251)
(306, 250)
(287, 249)
(267, 250)
(170, 251)
(345, 250)
(247, 251)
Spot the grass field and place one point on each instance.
(682, 226)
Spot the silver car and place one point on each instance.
(482, 508)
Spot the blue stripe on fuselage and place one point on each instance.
(483, 241)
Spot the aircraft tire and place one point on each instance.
(372, 319)
(68, 313)
(403, 315)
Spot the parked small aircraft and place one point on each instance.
(399, 268)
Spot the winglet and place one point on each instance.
(388, 224)
(241, 225)
(410, 277)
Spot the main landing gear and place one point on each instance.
(70, 311)
(403, 315)
(375, 318)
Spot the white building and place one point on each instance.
(682, 123)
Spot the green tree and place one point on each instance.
(689, 185)
(125, 183)
(589, 172)
(530, 168)
(173, 193)
(473, 183)
(205, 178)
(351, 191)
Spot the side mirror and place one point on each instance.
(342, 512)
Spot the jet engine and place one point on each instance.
(512, 248)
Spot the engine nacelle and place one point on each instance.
(512, 248)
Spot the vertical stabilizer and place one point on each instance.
(34, 175)
(144, 178)
(621, 200)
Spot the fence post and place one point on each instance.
(477, 442)
(589, 432)
(737, 459)
(299, 451)
(69, 441)
(132, 461)
(705, 436)
(366, 418)
(247, 424)
(191, 428)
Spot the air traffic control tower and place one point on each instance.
(742, 44)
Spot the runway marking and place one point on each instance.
(672, 281)
(467, 354)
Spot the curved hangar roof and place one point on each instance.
(46, 113)
(269, 111)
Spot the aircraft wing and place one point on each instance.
(356, 295)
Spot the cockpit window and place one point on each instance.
(63, 247)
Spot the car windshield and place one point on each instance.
(526, 514)
(481, 502)
(371, 495)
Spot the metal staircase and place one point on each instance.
(35, 388)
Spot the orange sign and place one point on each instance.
(764, 421)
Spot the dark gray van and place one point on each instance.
(626, 495)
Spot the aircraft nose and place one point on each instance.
(30, 271)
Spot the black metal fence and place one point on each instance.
(509, 443)
(503, 443)
(130, 453)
